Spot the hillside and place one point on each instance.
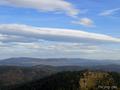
(11, 75)
(84, 80)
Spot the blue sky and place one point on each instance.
(98, 19)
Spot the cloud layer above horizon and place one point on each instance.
(19, 32)
(65, 42)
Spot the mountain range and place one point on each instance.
(24, 61)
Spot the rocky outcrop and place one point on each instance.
(97, 80)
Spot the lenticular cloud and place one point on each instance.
(51, 34)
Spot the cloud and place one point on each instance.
(109, 12)
(44, 49)
(25, 33)
(14, 38)
(58, 50)
(85, 22)
(44, 5)
(30, 41)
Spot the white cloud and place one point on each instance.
(85, 22)
(43, 48)
(29, 41)
(109, 12)
(44, 5)
(14, 38)
(59, 49)
(17, 32)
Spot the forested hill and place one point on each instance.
(83, 80)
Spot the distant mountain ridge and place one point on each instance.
(24, 61)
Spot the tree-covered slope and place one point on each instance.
(83, 80)
(11, 75)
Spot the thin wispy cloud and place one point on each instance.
(85, 22)
(44, 5)
(109, 12)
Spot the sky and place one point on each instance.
(60, 29)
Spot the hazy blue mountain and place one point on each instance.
(56, 62)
